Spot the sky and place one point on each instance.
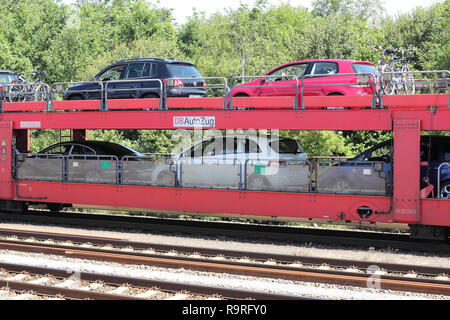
(183, 8)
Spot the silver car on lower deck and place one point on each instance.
(239, 161)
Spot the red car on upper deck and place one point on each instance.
(321, 78)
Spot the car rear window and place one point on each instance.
(286, 146)
(363, 68)
(324, 68)
(178, 70)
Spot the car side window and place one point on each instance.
(246, 146)
(150, 70)
(199, 149)
(286, 72)
(64, 149)
(135, 70)
(112, 73)
(324, 68)
(82, 150)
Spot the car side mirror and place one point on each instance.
(262, 81)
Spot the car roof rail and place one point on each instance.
(127, 60)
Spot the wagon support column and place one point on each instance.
(406, 169)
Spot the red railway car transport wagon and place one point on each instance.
(381, 191)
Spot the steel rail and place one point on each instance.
(168, 286)
(248, 269)
(266, 232)
(65, 292)
(233, 254)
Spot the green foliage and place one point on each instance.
(73, 43)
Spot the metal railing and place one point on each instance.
(158, 90)
(339, 176)
(363, 81)
(407, 82)
(58, 87)
(263, 174)
(293, 77)
(218, 86)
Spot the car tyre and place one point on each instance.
(444, 193)
(166, 179)
(258, 182)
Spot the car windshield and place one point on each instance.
(178, 70)
(363, 68)
(286, 146)
(7, 78)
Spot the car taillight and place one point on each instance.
(364, 81)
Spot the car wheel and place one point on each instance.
(258, 182)
(445, 190)
(166, 179)
(93, 177)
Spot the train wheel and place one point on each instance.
(55, 207)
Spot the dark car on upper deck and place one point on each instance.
(142, 78)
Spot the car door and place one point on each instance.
(281, 81)
(195, 167)
(135, 71)
(114, 73)
(320, 75)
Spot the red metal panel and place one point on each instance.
(76, 105)
(407, 171)
(435, 212)
(414, 102)
(24, 106)
(6, 154)
(328, 207)
(369, 119)
(79, 134)
(124, 104)
(196, 103)
(238, 119)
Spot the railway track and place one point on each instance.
(421, 279)
(358, 239)
(48, 282)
